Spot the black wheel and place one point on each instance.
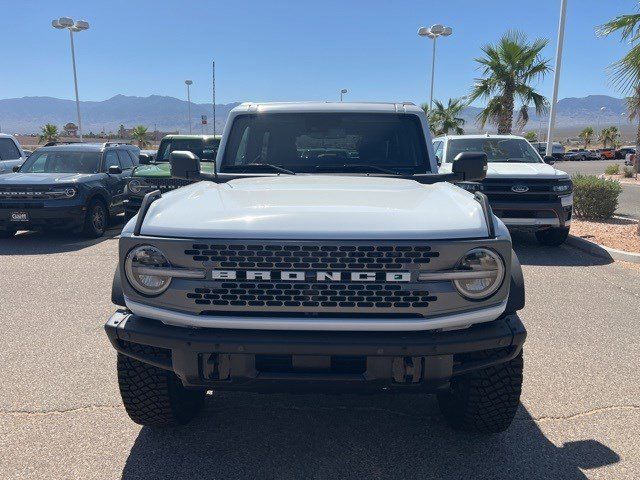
(7, 233)
(486, 400)
(155, 397)
(96, 219)
(552, 237)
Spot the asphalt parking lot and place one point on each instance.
(61, 416)
(629, 200)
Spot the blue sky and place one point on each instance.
(288, 50)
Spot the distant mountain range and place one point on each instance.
(28, 114)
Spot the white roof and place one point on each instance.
(356, 107)
(479, 135)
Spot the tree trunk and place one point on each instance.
(506, 119)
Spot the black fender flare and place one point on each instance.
(117, 295)
(516, 291)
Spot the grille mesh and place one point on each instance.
(310, 295)
(168, 184)
(316, 257)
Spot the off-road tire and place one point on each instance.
(484, 401)
(152, 396)
(93, 227)
(552, 237)
(7, 233)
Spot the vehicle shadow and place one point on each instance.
(401, 436)
(530, 252)
(48, 242)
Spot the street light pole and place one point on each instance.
(433, 32)
(556, 77)
(343, 92)
(77, 26)
(188, 83)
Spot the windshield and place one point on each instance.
(206, 153)
(62, 162)
(327, 142)
(497, 149)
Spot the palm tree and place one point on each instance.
(531, 136)
(139, 134)
(608, 135)
(509, 68)
(586, 135)
(444, 120)
(49, 133)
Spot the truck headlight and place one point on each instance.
(485, 274)
(471, 186)
(563, 187)
(136, 186)
(67, 192)
(139, 267)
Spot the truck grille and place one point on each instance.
(538, 190)
(310, 295)
(168, 184)
(18, 192)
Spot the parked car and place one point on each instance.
(523, 190)
(622, 152)
(577, 154)
(11, 153)
(154, 172)
(594, 154)
(289, 270)
(629, 159)
(607, 153)
(77, 186)
(557, 149)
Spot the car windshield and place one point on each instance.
(497, 149)
(61, 161)
(206, 152)
(327, 142)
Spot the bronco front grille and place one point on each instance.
(168, 184)
(308, 294)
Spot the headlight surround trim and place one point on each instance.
(461, 285)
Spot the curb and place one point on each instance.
(602, 251)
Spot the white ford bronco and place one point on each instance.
(524, 190)
(324, 253)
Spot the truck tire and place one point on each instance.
(155, 397)
(96, 219)
(552, 237)
(486, 400)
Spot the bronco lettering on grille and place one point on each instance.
(319, 276)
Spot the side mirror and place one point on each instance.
(144, 159)
(114, 170)
(185, 165)
(470, 166)
(16, 168)
(549, 160)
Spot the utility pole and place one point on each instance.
(213, 84)
(556, 77)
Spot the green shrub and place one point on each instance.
(595, 197)
(627, 172)
(612, 169)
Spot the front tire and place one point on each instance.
(96, 219)
(155, 397)
(552, 237)
(484, 401)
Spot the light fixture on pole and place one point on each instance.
(433, 32)
(188, 83)
(73, 26)
(556, 77)
(344, 91)
(600, 114)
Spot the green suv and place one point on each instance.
(155, 173)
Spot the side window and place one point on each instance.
(438, 148)
(8, 150)
(134, 158)
(125, 160)
(39, 165)
(242, 148)
(110, 160)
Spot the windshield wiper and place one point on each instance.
(251, 166)
(356, 166)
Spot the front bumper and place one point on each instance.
(254, 360)
(534, 214)
(42, 215)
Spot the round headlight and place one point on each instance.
(485, 274)
(139, 266)
(135, 186)
(70, 192)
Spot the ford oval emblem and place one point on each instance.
(520, 188)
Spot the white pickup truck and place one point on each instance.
(11, 153)
(524, 190)
(324, 253)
